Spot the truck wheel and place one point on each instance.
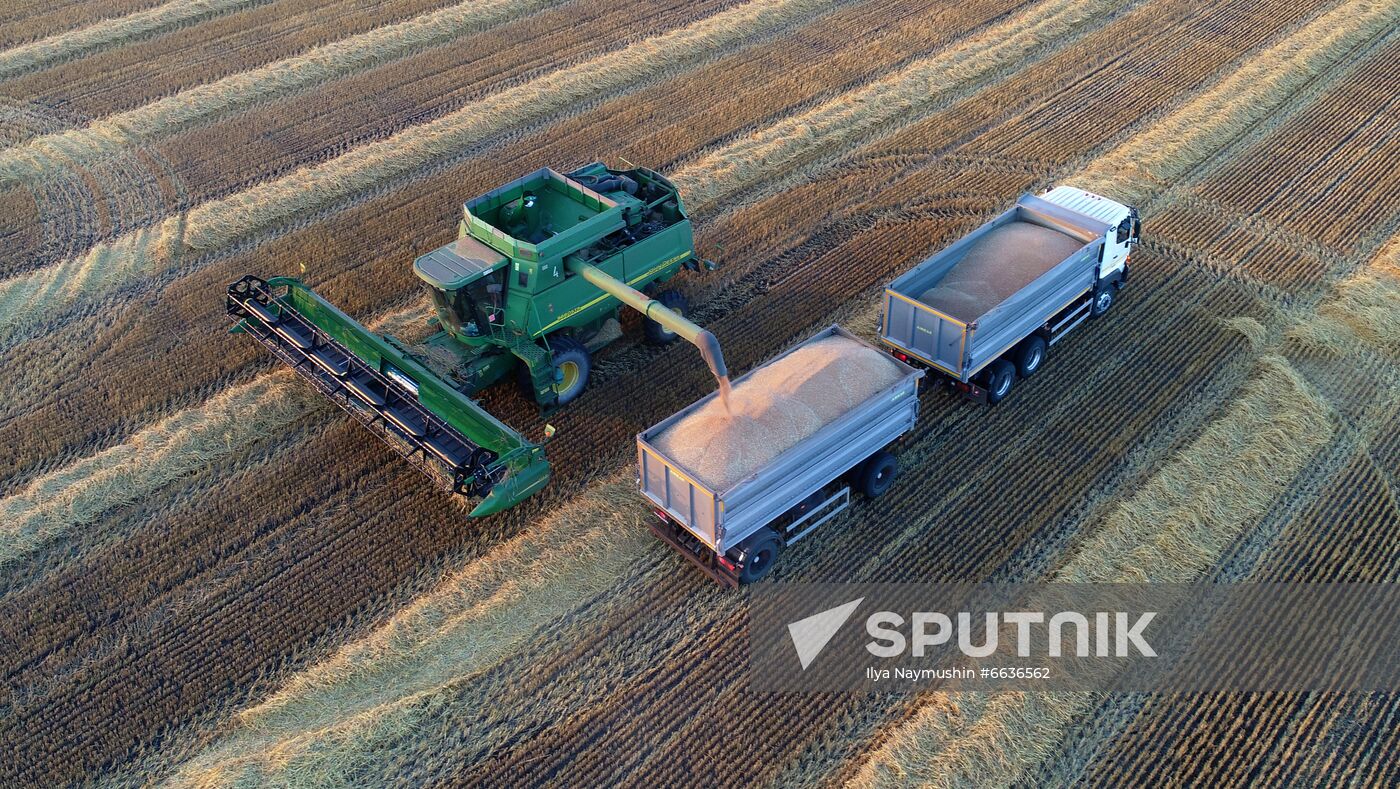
(877, 474)
(672, 300)
(1030, 356)
(1103, 299)
(571, 368)
(762, 550)
(1000, 376)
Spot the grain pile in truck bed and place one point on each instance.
(996, 266)
(777, 406)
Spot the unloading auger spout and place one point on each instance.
(702, 339)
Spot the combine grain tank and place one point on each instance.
(736, 533)
(985, 311)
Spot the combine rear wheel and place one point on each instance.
(673, 301)
(571, 367)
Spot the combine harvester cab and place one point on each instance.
(531, 287)
(985, 311)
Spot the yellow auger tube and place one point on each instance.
(655, 310)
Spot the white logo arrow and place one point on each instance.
(811, 635)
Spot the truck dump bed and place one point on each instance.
(723, 518)
(964, 306)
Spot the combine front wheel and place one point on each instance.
(571, 367)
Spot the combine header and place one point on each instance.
(531, 287)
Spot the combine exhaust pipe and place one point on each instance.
(702, 339)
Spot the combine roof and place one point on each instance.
(457, 264)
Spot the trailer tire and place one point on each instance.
(877, 474)
(1001, 374)
(762, 551)
(674, 301)
(571, 365)
(1103, 299)
(1030, 355)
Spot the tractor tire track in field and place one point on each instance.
(43, 157)
(70, 211)
(1331, 527)
(187, 241)
(112, 33)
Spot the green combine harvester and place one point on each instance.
(531, 287)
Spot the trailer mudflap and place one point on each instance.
(423, 419)
(969, 390)
(692, 549)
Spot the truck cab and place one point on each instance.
(1124, 226)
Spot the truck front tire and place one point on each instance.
(674, 301)
(1103, 299)
(761, 553)
(1001, 374)
(877, 474)
(571, 367)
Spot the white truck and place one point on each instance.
(985, 311)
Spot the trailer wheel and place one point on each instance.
(1001, 374)
(877, 474)
(1030, 356)
(762, 551)
(1103, 299)
(674, 301)
(571, 368)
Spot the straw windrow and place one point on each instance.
(40, 158)
(1158, 160)
(111, 33)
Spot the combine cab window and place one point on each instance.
(486, 298)
(474, 309)
(446, 307)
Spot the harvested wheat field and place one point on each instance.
(209, 576)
